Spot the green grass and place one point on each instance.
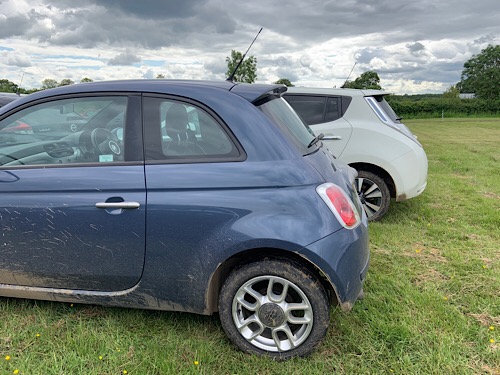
(433, 293)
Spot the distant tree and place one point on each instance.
(247, 72)
(66, 82)
(49, 83)
(284, 81)
(7, 86)
(86, 79)
(481, 74)
(452, 92)
(367, 80)
(160, 76)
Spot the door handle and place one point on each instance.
(332, 138)
(116, 205)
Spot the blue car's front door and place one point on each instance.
(72, 206)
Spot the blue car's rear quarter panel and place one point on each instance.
(210, 212)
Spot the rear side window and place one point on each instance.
(332, 109)
(179, 131)
(310, 108)
(315, 109)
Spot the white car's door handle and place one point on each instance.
(332, 138)
(123, 205)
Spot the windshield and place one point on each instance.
(280, 112)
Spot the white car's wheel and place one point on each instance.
(374, 195)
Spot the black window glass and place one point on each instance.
(66, 131)
(332, 109)
(177, 130)
(310, 108)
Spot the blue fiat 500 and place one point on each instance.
(180, 195)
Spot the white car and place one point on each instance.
(360, 128)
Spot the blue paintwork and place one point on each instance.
(193, 217)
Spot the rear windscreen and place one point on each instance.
(280, 112)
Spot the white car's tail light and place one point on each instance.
(340, 204)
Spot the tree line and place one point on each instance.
(48, 83)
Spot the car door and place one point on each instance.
(72, 199)
(324, 115)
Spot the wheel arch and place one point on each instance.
(382, 173)
(251, 255)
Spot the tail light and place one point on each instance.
(340, 204)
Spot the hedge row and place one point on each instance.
(446, 107)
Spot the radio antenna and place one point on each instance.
(231, 76)
(18, 91)
(343, 86)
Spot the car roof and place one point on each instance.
(250, 92)
(336, 91)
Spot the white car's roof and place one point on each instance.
(335, 91)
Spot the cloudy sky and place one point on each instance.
(414, 46)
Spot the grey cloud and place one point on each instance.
(291, 74)
(305, 61)
(490, 38)
(124, 58)
(14, 26)
(18, 60)
(415, 47)
(154, 9)
(216, 67)
(214, 24)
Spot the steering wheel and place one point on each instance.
(105, 142)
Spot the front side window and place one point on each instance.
(66, 131)
(177, 131)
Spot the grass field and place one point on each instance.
(432, 303)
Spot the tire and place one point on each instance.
(374, 195)
(289, 320)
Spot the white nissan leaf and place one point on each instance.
(360, 128)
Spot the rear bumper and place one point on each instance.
(409, 173)
(343, 257)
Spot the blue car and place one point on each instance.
(191, 196)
